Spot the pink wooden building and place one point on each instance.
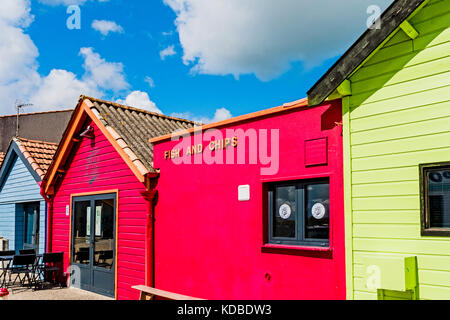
(99, 196)
(268, 225)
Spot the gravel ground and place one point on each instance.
(54, 294)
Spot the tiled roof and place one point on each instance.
(38, 153)
(132, 128)
(2, 157)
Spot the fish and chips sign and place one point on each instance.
(235, 146)
(192, 150)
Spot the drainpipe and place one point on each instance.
(151, 196)
(49, 200)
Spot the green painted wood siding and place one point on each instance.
(399, 117)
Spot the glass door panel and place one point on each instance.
(31, 226)
(104, 234)
(82, 232)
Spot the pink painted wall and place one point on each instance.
(210, 245)
(114, 174)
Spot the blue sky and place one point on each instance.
(235, 56)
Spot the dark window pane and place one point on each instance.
(439, 198)
(104, 233)
(31, 225)
(82, 232)
(285, 215)
(317, 215)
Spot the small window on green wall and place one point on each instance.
(435, 187)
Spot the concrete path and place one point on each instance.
(54, 294)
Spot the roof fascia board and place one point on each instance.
(10, 157)
(388, 38)
(328, 83)
(63, 147)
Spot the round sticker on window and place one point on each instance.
(318, 211)
(285, 211)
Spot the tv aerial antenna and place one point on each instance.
(20, 106)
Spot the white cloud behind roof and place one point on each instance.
(239, 37)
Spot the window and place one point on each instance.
(31, 225)
(435, 185)
(299, 213)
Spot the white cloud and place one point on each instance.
(104, 74)
(167, 52)
(150, 81)
(106, 27)
(139, 99)
(20, 80)
(62, 88)
(238, 37)
(16, 13)
(220, 115)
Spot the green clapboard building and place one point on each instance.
(395, 86)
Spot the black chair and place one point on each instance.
(27, 251)
(23, 264)
(51, 268)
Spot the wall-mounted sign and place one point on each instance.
(244, 193)
(67, 210)
(285, 211)
(215, 145)
(318, 211)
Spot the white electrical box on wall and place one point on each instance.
(244, 193)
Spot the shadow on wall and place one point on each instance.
(331, 117)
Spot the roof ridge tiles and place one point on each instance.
(118, 105)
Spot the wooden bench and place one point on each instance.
(148, 293)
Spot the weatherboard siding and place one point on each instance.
(399, 118)
(20, 187)
(113, 174)
(7, 225)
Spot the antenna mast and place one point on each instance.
(19, 106)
